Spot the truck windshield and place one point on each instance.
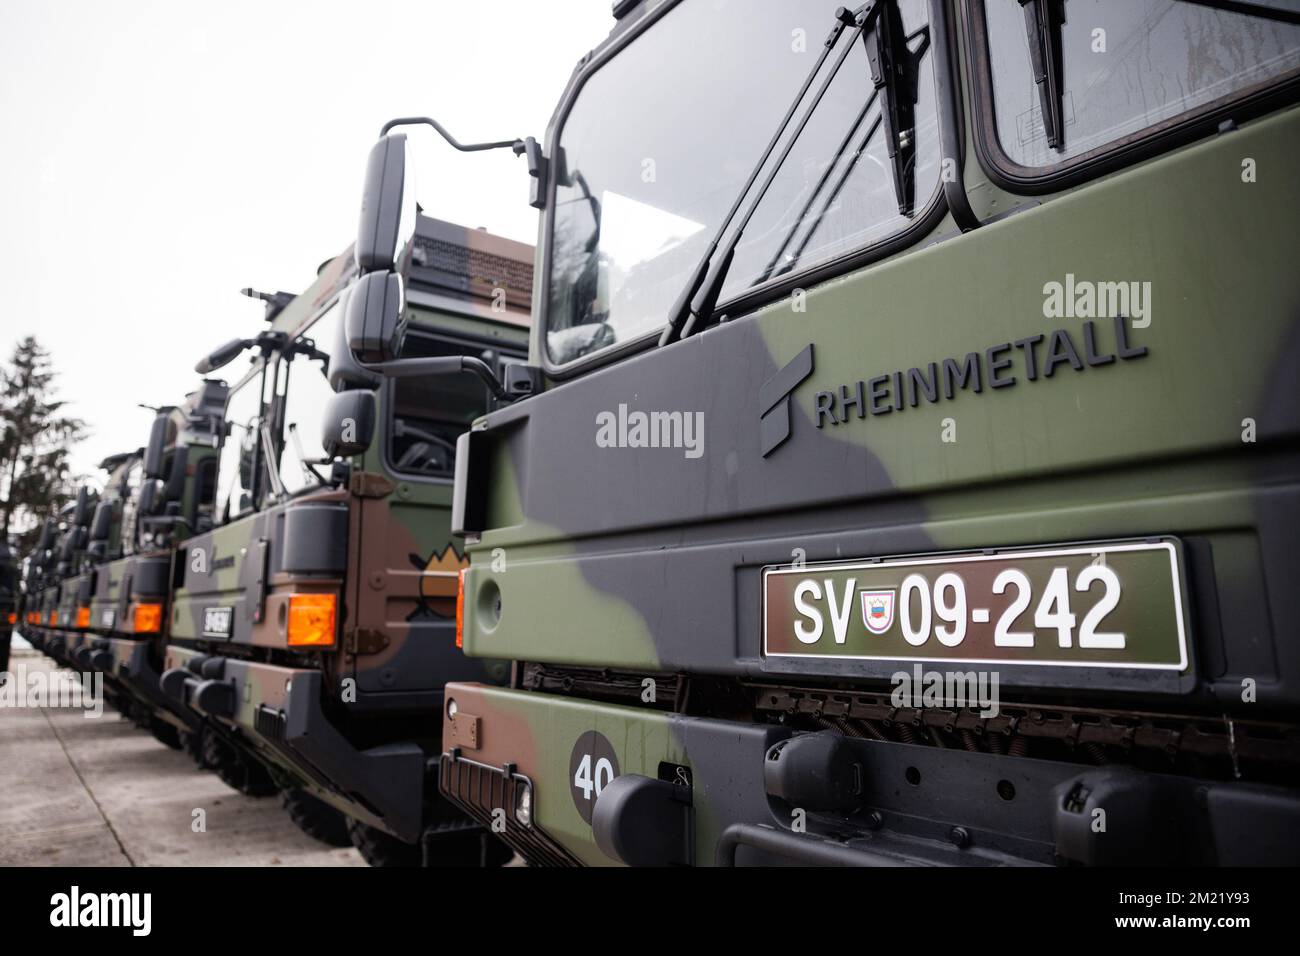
(659, 140)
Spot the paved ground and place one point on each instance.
(101, 792)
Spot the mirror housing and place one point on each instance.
(345, 371)
(375, 320)
(387, 206)
(349, 425)
(223, 355)
(174, 489)
(81, 511)
(149, 494)
(153, 452)
(102, 524)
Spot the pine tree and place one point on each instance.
(35, 478)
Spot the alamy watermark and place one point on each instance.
(958, 689)
(638, 429)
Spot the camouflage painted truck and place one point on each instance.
(315, 620)
(44, 586)
(30, 578)
(77, 580)
(10, 600)
(916, 477)
(153, 498)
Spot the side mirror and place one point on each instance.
(81, 512)
(222, 356)
(349, 425)
(148, 496)
(376, 317)
(345, 372)
(102, 525)
(153, 452)
(174, 490)
(387, 206)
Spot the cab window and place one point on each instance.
(130, 490)
(306, 394)
(1127, 66)
(428, 414)
(241, 458)
(646, 172)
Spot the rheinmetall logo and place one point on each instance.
(774, 401)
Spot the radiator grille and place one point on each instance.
(478, 789)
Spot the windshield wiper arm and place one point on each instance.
(696, 303)
(1251, 8)
(831, 198)
(775, 260)
(1043, 20)
(893, 72)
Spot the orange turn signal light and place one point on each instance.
(460, 607)
(13, 618)
(311, 619)
(147, 618)
(54, 619)
(83, 617)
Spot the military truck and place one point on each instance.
(43, 587)
(913, 476)
(10, 599)
(315, 620)
(76, 578)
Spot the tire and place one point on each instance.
(456, 847)
(165, 733)
(379, 849)
(237, 769)
(467, 848)
(316, 818)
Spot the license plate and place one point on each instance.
(1104, 605)
(216, 622)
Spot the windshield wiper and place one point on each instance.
(1043, 20)
(893, 72)
(816, 191)
(903, 170)
(831, 198)
(1251, 8)
(700, 294)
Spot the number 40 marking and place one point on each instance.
(584, 780)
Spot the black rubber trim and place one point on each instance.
(1125, 151)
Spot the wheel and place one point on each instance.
(462, 847)
(449, 845)
(247, 775)
(316, 818)
(238, 770)
(165, 733)
(380, 849)
(195, 744)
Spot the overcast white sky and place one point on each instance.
(155, 157)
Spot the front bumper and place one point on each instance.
(278, 711)
(686, 790)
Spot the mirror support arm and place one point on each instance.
(442, 365)
(515, 144)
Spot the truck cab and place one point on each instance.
(315, 621)
(903, 490)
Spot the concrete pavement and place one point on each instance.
(101, 792)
